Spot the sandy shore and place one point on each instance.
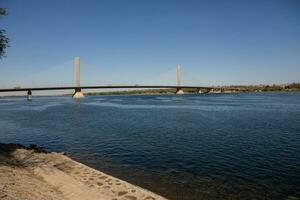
(32, 173)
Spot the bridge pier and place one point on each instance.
(78, 94)
(29, 95)
(199, 91)
(179, 91)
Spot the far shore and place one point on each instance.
(293, 87)
(34, 173)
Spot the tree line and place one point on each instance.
(4, 41)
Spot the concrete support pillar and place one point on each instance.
(178, 75)
(29, 95)
(78, 94)
(179, 91)
(77, 71)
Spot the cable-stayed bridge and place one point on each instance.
(78, 87)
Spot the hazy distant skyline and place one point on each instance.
(141, 42)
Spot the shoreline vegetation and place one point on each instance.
(293, 87)
(34, 173)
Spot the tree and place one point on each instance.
(3, 39)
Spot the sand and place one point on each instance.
(32, 173)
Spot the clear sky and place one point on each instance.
(142, 41)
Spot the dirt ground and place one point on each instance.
(32, 173)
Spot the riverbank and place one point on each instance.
(34, 173)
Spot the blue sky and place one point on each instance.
(141, 41)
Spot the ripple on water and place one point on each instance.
(31, 107)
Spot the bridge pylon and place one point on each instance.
(179, 90)
(78, 93)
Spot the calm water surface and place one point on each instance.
(191, 147)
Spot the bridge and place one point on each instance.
(78, 88)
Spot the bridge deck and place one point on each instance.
(105, 87)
